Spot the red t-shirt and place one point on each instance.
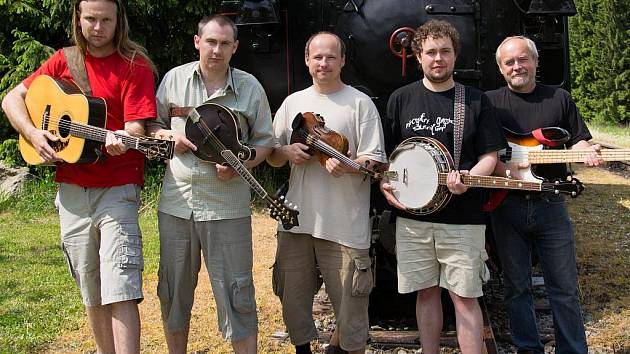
(128, 90)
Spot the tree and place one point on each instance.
(600, 60)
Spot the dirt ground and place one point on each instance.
(601, 221)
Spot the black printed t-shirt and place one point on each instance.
(546, 106)
(413, 110)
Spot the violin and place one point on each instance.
(309, 129)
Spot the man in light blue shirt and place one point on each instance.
(205, 207)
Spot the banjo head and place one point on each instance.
(416, 175)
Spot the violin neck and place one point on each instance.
(330, 151)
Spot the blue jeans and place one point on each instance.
(539, 220)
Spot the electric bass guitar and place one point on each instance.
(537, 148)
(61, 108)
(214, 129)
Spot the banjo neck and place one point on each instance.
(494, 182)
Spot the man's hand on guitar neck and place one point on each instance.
(593, 159)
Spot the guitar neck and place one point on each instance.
(494, 182)
(332, 152)
(238, 166)
(99, 134)
(563, 156)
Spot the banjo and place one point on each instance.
(419, 166)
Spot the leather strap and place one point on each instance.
(76, 65)
(175, 111)
(459, 115)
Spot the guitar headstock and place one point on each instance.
(573, 187)
(284, 212)
(155, 148)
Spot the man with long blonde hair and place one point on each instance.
(98, 202)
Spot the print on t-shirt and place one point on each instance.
(424, 124)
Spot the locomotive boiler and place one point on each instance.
(379, 59)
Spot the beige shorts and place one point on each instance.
(102, 242)
(228, 255)
(450, 256)
(348, 277)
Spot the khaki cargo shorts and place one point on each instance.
(348, 277)
(451, 256)
(228, 255)
(101, 240)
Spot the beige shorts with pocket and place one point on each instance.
(450, 256)
(227, 251)
(101, 240)
(348, 278)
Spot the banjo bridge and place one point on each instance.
(391, 175)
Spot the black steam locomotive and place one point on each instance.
(379, 59)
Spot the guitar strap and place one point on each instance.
(459, 115)
(76, 64)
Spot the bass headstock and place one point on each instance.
(284, 212)
(573, 187)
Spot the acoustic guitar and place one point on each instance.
(60, 107)
(541, 147)
(215, 130)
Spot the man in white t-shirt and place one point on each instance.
(334, 199)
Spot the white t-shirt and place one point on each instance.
(331, 208)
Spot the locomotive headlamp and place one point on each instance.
(257, 12)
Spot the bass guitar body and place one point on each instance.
(54, 105)
(520, 145)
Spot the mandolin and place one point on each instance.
(60, 107)
(214, 129)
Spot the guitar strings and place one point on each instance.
(99, 134)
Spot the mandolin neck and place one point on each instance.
(240, 168)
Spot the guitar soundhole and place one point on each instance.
(63, 132)
(64, 126)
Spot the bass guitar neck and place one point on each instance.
(564, 156)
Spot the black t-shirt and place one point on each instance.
(546, 106)
(413, 110)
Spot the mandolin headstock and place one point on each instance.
(283, 211)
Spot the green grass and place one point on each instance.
(616, 135)
(37, 295)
